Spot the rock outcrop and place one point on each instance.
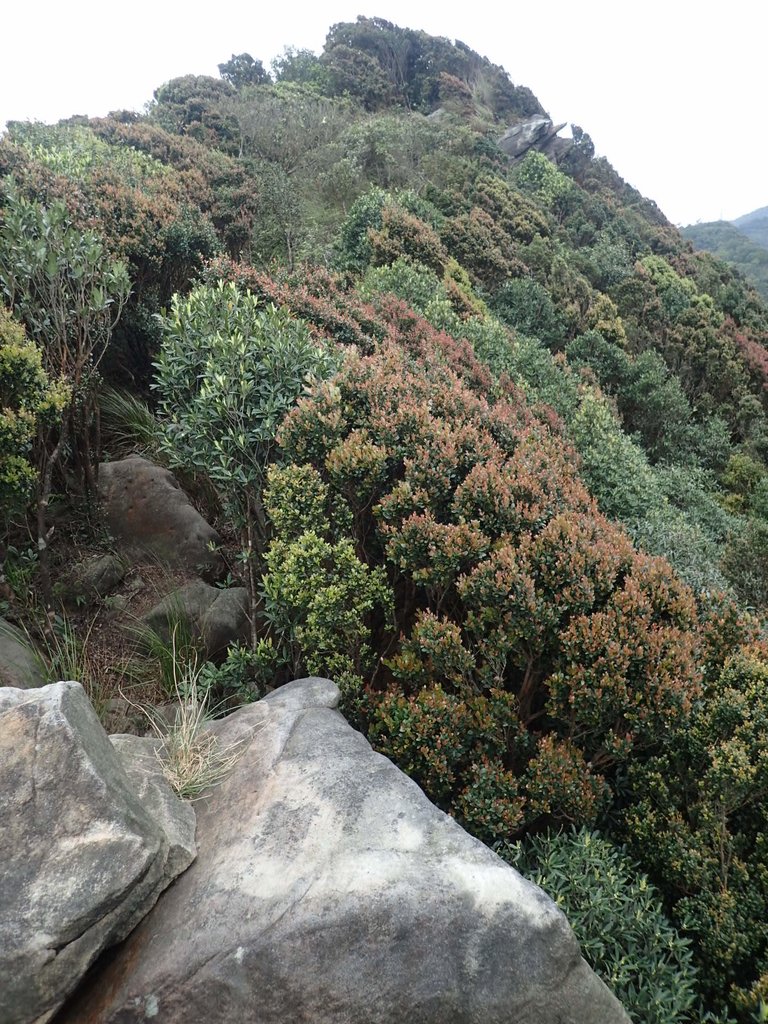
(83, 858)
(19, 667)
(149, 515)
(536, 133)
(328, 889)
(92, 579)
(217, 617)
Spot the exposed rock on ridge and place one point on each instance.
(82, 858)
(535, 133)
(329, 889)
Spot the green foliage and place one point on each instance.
(192, 105)
(507, 579)
(59, 281)
(538, 176)
(619, 476)
(447, 742)
(28, 399)
(245, 675)
(228, 370)
(319, 597)
(527, 306)
(354, 247)
(241, 69)
(385, 63)
(382, 228)
(128, 425)
(618, 918)
(745, 561)
(299, 65)
(76, 152)
(697, 815)
(296, 500)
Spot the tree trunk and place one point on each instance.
(44, 531)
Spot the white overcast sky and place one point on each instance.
(673, 92)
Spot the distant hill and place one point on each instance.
(744, 246)
(754, 225)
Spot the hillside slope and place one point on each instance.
(754, 225)
(486, 437)
(732, 244)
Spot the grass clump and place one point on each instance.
(191, 755)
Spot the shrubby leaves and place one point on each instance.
(542, 391)
(29, 399)
(618, 918)
(228, 370)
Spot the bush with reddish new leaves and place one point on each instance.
(507, 580)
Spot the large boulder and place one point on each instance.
(149, 515)
(83, 859)
(19, 665)
(328, 889)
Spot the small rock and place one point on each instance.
(19, 665)
(94, 578)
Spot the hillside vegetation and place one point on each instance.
(735, 243)
(487, 439)
(755, 225)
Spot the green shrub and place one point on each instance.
(245, 675)
(527, 306)
(229, 369)
(617, 917)
(28, 400)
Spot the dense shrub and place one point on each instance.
(618, 918)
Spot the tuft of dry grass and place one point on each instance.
(192, 757)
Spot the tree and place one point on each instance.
(192, 105)
(29, 401)
(299, 65)
(242, 69)
(229, 369)
(70, 295)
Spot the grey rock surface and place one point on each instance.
(217, 617)
(140, 757)
(82, 858)
(226, 621)
(536, 133)
(328, 889)
(149, 515)
(93, 578)
(18, 665)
